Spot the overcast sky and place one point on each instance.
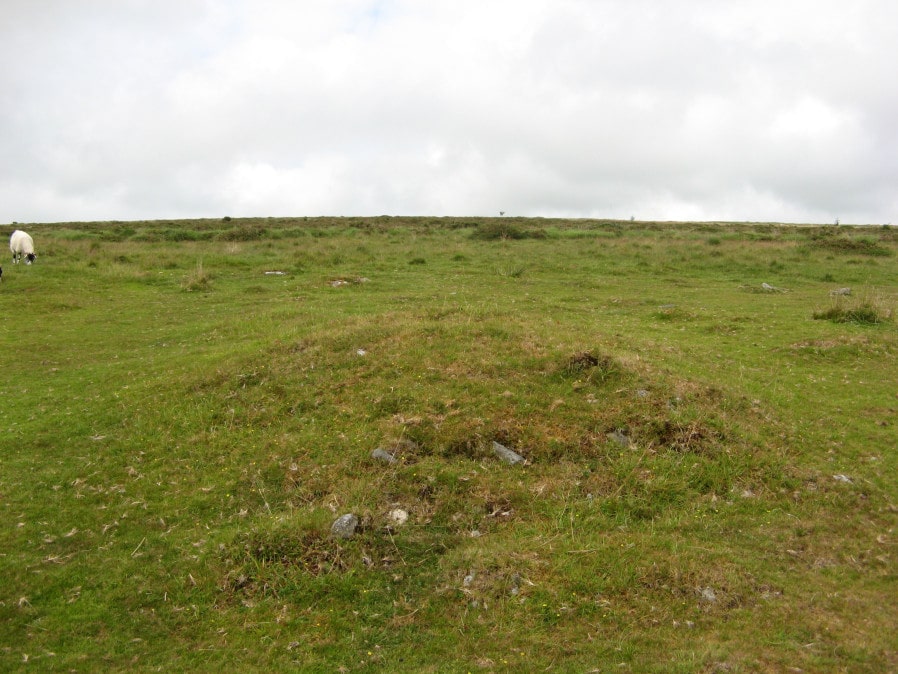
(760, 110)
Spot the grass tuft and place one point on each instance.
(198, 280)
(871, 308)
(515, 271)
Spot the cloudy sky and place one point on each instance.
(761, 110)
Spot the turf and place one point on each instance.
(709, 434)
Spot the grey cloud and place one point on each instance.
(745, 110)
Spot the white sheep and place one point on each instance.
(21, 245)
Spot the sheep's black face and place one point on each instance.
(29, 258)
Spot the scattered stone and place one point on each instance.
(339, 282)
(767, 288)
(468, 580)
(619, 437)
(506, 454)
(344, 526)
(398, 517)
(383, 455)
(842, 478)
(275, 273)
(642, 393)
(709, 595)
(840, 291)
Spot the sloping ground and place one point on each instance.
(709, 477)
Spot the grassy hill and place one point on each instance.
(711, 472)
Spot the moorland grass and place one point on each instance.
(710, 477)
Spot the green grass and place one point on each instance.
(868, 309)
(181, 429)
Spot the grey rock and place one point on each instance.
(344, 526)
(840, 291)
(398, 517)
(383, 455)
(506, 454)
(709, 595)
(619, 437)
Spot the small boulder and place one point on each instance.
(383, 455)
(709, 595)
(507, 455)
(397, 517)
(618, 437)
(344, 526)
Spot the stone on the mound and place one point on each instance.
(619, 437)
(383, 455)
(344, 526)
(398, 517)
(506, 454)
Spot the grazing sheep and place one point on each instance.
(21, 244)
